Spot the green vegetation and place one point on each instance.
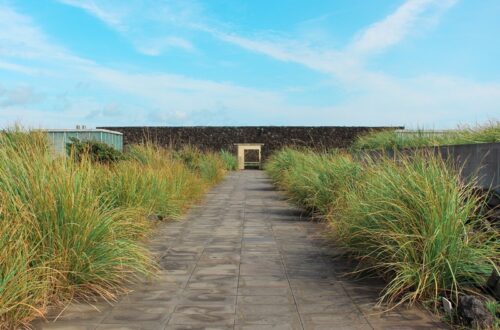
(412, 220)
(314, 181)
(97, 151)
(74, 228)
(390, 139)
(229, 160)
(494, 308)
(209, 165)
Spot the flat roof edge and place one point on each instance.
(61, 130)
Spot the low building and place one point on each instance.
(61, 137)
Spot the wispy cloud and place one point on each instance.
(153, 27)
(169, 96)
(155, 47)
(18, 68)
(410, 16)
(373, 97)
(20, 95)
(21, 38)
(347, 62)
(395, 27)
(109, 17)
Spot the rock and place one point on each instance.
(493, 205)
(494, 199)
(493, 284)
(473, 312)
(153, 217)
(447, 306)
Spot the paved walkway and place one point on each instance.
(245, 259)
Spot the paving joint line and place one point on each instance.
(287, 278)
(239, 265)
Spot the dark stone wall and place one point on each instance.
(273, 137)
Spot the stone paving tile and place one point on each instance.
(244, 259)
(198, 327)
(126, 314)
(225, 319)
(268, 326)
(266, 300)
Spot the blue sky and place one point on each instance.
(418, 63)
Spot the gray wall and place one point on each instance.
(480, 160)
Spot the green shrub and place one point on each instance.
(97, 151)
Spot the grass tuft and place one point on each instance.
(230, 160)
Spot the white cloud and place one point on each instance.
(345, 64)
(20, 95)
(18, 68)
(171, 96)
(150, 26)
(180, 94)
(21, 38)
(109, 17)
(158, 46)
(395, 27)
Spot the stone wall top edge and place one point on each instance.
(239, 127)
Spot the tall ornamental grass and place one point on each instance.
(313, 180)
(59, 239)
(391, 139)
(72, 228)
(151, 179)
(209, 165)
(230, 161)
(414, 221)
(409, 218)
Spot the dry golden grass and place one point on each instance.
(74, 228)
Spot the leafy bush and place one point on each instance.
(97, 151)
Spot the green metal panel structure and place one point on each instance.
(60, 137)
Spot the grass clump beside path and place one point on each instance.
(230, 160)
(73, 228)
(411, 220)
(391, 139)
(314, 181)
